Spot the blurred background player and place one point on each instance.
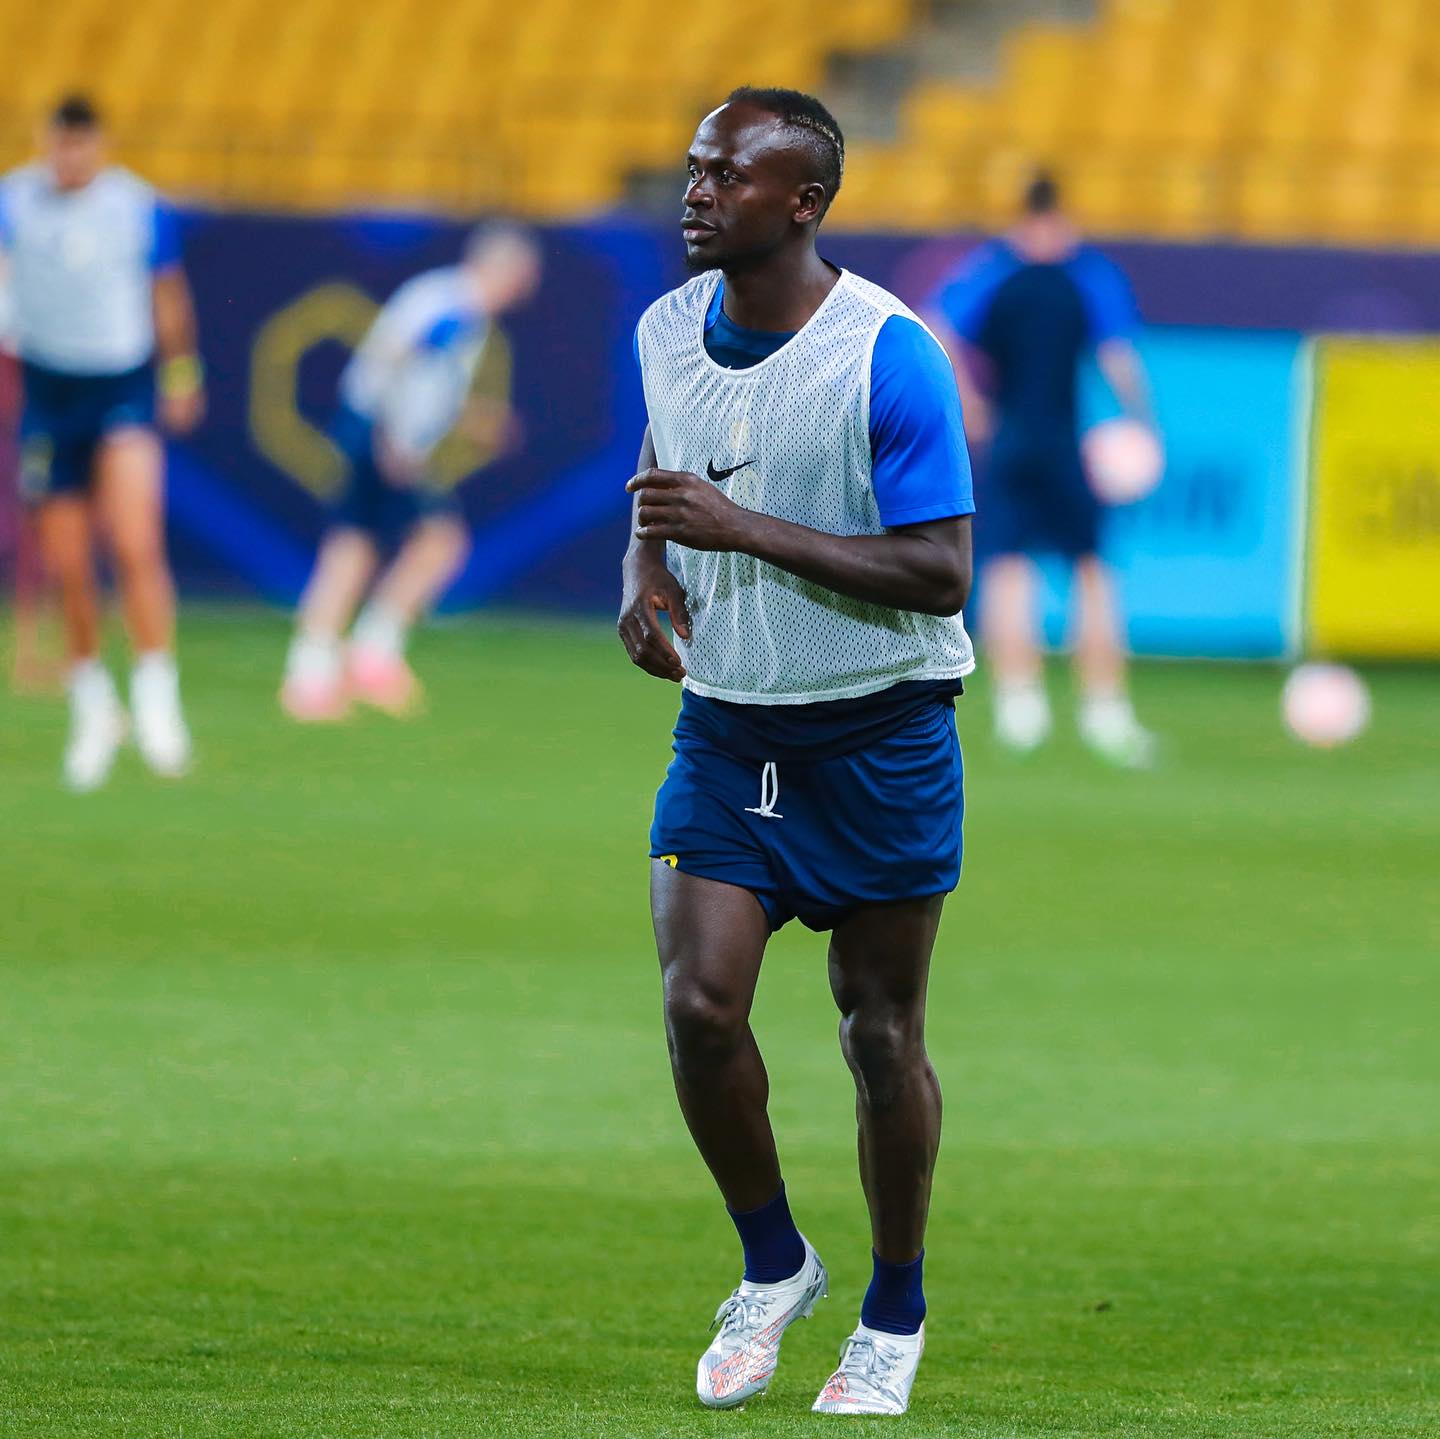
(98, 296)
(1019, 317)
(407, 387)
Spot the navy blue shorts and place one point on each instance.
(816, 840)
(67, 416)
(369, 501)
(1033, 499)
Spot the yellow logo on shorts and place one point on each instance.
(671, 859)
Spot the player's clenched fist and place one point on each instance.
(649, 589)
(674, 505)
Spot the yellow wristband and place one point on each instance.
(181, 375)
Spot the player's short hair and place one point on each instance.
(814, 125)
(1042, 194)
(75, 112)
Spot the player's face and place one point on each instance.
(747, 193)
(510, 277)
(74, 154)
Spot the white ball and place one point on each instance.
(1123, 460)
(1325, 704)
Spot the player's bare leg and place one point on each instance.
(428, 560)
(314, 687)
(66, 541)
(711, 938)
(97, 719)
(1008, 629)
(130, 506)
(1107, 719)
(879, 969)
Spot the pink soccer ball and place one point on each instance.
(1123, 460)
(1325, 705)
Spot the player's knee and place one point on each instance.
(137, 553)
(701, 1025)
(882, 1045)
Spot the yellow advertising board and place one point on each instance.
(1374, 572)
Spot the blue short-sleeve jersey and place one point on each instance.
(165, 237)
(1033, 323)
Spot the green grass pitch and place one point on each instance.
(333, 1097)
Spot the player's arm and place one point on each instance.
(1113, 319)
(1124, 372)
(177, 351)
(924, 567)
(649, 589)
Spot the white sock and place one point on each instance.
(381, 630)
(155, 667)
(313, 659)
(1108, 711)
(90, 684)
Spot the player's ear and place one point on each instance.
(809, 202)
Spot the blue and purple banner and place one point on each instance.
(1207, 562)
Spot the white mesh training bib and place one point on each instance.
(794, 433)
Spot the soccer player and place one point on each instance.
(1019, 317)
(99, 295)
(802, 516)
(406, 388)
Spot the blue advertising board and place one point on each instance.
(1207, 563)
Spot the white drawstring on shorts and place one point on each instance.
(769, 793)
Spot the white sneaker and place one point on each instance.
(1022, 718)
(1109, 728)
(97, 729)
(160, 730)
(741, 1358)
(875, 1375)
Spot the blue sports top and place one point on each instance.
(920, 470)
(1034, 323)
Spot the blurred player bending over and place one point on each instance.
(98, 295)
(802, 515)
(404, 391)
(1019, 317)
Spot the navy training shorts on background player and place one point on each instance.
(67, 416)
(371, 502)
(814, 840)
(1035, 500)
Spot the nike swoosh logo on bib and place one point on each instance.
(718, 475)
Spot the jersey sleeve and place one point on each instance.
(164, 237)
(920, 467)
(964, 298)
(1109, 301)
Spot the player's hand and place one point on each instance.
(686, 509)
(650, 588)
(182, 410)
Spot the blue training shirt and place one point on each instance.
(920, 470)
(1034, 323)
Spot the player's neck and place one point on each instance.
(781, 294)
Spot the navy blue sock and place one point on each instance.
(774, 1249)
(895, 1300)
